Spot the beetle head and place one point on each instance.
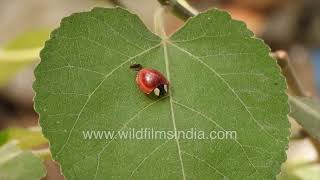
(161, 90)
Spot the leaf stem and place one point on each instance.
(159, 22)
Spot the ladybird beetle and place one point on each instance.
(150, 80)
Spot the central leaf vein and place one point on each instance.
(165, 50)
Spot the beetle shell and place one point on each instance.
(149, 79)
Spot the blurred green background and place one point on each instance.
(292, 26)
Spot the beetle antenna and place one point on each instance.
(136, 67)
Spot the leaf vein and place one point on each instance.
(200, 37)
(116, 32)
(99, 85)
(171, 108)
(206, 163)
(211, 120)
(147, 157)
(124, 126)
(229, 87)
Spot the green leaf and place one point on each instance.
(221, 79)
(25, 138)
(20, 52)
(307, 112)
(16, 164)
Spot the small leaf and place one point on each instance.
(307, 112)
(16, 164)
(20, 52)
(221, 79)
(28, 40)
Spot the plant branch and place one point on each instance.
(293, 82)
(180, 8)
(116, 3)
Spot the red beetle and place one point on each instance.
(150, 80)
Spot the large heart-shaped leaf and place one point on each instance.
(221, 79)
